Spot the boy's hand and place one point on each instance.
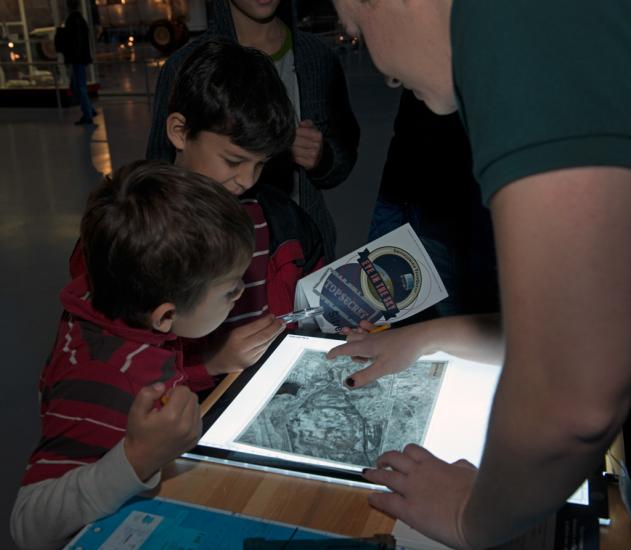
(308, 145)
(245, 345)
(157, 436)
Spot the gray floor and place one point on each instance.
(47, 168)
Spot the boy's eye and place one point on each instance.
(232, 163)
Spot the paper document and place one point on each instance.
(388, 279)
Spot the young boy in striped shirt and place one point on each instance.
(229, 114)
(165, 251)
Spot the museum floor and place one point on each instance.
(47, 168)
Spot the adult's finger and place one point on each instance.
(365, 376)
(355, 345)
(390, 478)
(347, 331)
(462, 463)
(396, 461)
(367, 325)
(416, 453)
(388, 503)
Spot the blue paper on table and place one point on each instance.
(158, 524)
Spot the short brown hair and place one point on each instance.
(155, 233)
(234, 91)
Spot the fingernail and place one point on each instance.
(350, 382)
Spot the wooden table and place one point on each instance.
(312, 504)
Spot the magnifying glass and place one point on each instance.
(301, 315)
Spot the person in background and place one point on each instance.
(428, 182)
(75, 47)
(544, 92)
(327, 135)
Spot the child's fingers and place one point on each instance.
(146, 398)
(258, 343)
(257, 326)
(307, 144)
(308, 141)
(192, 417)
(260, 349)
(179, 397)
(308, 135)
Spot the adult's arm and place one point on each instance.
(47, 513)
(565, 271)
(341, 137)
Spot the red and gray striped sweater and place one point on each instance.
(95, 370)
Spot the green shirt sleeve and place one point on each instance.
(542, 85)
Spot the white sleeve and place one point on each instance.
(47, 513)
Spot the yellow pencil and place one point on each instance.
(380, 328)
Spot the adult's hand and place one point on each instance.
(390, 351)
(428, 494)
(245, 345)
(473, 337)
(363, 328)
(308, 145)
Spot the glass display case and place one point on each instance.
(31, 71)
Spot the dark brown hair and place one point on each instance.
(225, 88)
(155, 233)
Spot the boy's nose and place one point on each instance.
(247, 178)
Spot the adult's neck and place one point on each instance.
(266, 35)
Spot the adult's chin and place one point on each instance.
(438, 105)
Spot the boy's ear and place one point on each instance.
(161, 318)
(176, 130)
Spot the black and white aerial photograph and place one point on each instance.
(313, 414)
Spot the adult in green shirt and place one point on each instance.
(544, 91)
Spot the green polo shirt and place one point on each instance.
(542, 85)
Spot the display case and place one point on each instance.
(31, 71)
